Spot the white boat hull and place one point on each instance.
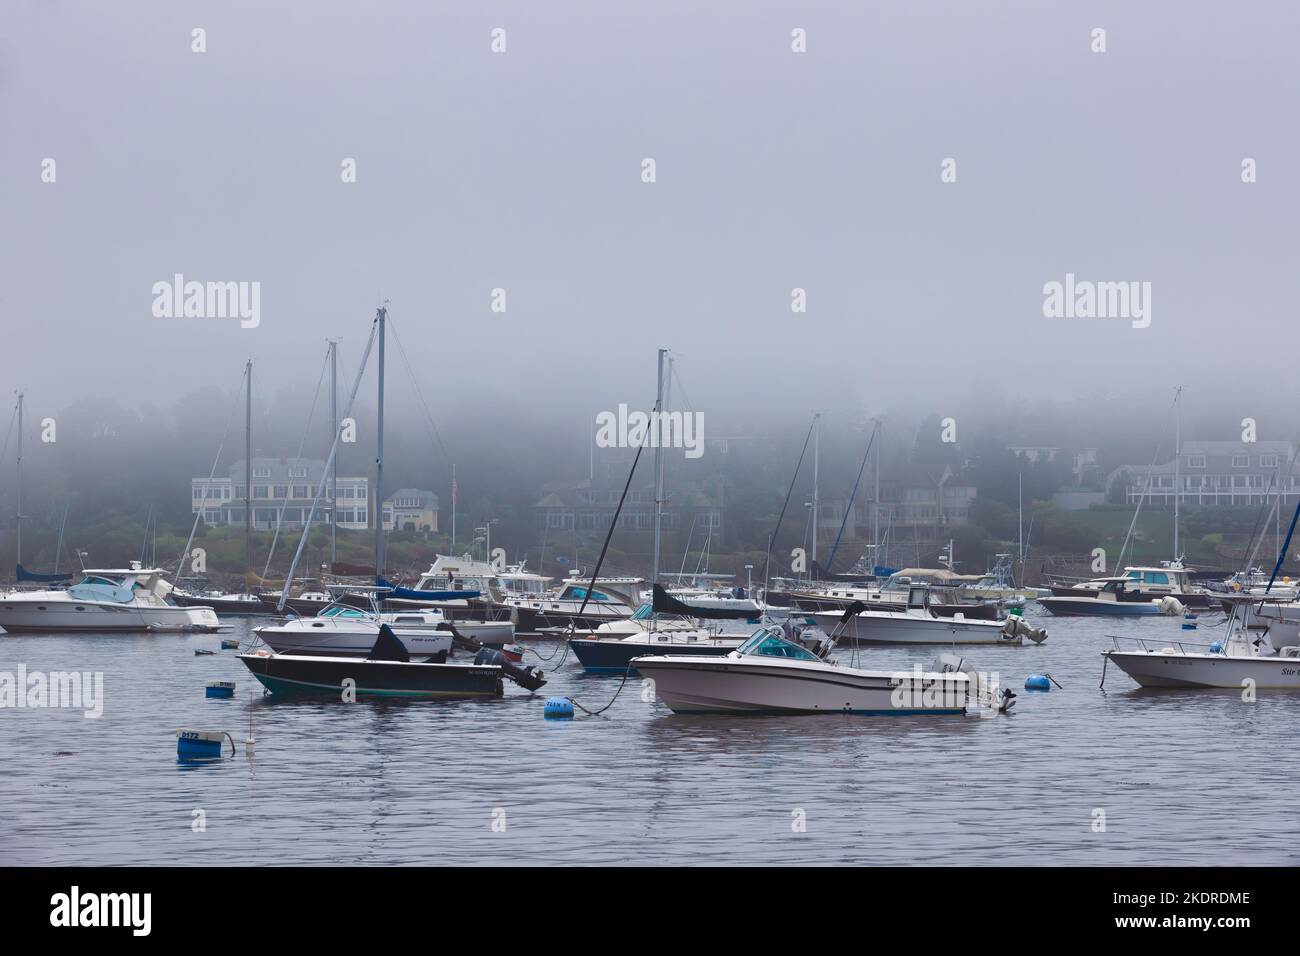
(24, 614)
(1159, 669)
(491, 633)
(901, 627)
(349, 638)
(743, 685)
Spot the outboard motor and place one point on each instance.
(525, 675)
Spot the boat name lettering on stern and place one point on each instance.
(180, 299)
(1085, 299)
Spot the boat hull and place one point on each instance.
(1071, 606)
(353, 641)
(325, 676)
(68, 615)
(903, 628)
(1156, 669)
(740, 686)
(605, 656)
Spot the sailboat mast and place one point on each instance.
(248, 467)
(1178, 461)
(334, 479)
(18, 518)
(659, 462)
(1020, 498)
(875, 510)
(816, 495)
(381, 315)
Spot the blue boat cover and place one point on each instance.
(411, 594)
(24, 575)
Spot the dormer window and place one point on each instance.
(261, 472)
(1268, 461)
(1240, 461)
(1195, 461)
(298, 471)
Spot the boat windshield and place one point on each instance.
(768, 643)
(643, 613)
(340, 610)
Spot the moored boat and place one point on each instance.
(113, 599)
(772, 674)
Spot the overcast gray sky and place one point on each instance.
(775, 170)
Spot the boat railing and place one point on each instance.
(1156, 645)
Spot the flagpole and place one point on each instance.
(453, 508)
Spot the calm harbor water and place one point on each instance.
(1182, 777)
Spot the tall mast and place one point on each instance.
(816, 495)
(248, 468)
(381, 315)
(657, 425)
(875, 510)
(1178, 461)
(19, 516)
(334, 479)
(1020, 534)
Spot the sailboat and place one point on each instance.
(603, 655)
(387, 670)
(244, 602)
(21, 574)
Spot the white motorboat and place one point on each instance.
(1242, 659)
(112, 599)
(344, 631)
(772, 674)
(918, 624)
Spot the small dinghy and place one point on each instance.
(388, 671)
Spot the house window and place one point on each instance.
(262, 472)
(1268, 461)
(1195, 461)
(1240, 461)
(300, 491)
(261, 491)
(282, 491)
(298, 471)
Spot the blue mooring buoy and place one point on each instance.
(220, 688)
(1037, 682)
(559, 708)
(198, 745)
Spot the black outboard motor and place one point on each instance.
(525, 675)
